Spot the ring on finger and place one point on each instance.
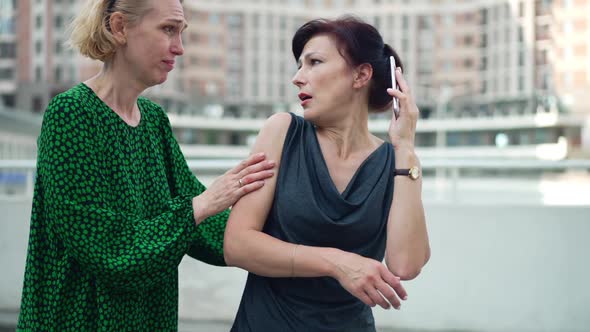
(240, 182)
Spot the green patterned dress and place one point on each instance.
(112, 218)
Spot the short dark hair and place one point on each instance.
(358, 42)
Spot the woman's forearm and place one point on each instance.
(407, 238)
(267, 256)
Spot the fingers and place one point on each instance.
(397, 93)
(386, 291)
(251, 160)
(377, 298)
(403, 94)
(248, 188)
(256, 172)
(395, 284)
(401, 81)
(366, 299)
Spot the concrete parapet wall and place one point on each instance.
(493, 268)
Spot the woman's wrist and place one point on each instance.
(335, 257)
(199, 212)
(405, 157)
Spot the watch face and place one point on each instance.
(414, 173)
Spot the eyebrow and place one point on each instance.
(305, 56)
(179, 22)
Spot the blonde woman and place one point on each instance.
(115, 205)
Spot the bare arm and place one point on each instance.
(407, 239)
(408, 248)
(246, 246)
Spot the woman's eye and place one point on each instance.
(315, 61)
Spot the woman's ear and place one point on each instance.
(117, 25)
(362, 75)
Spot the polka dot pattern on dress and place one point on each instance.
(111, 220)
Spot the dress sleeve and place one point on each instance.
(207, 246)
(120, 250)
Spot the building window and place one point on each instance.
(58, 47)
(568, 53)
(568, 27)
(567, 79)
(448, 65)
(211, 88)
(255, 67)
(255, 89)
(449, 20)
(6, 25)
(58, 22)
(215, 40)
(468, 40)
(484, 63)
(255, 19)
(484, 16)
(6, 73)
(521, 58)
(484, 41)
(215, 63)
(58, 74)
(449, 42)
(37, 104)
(234, 20)
(38, 21)
(7, 50)
(38, 74)
(405, 22)
(214, 19)
(38, 47)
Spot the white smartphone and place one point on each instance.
(394, 85)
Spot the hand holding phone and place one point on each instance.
(394, 85)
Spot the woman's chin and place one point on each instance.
(308, 113)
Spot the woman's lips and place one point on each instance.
(305, 98)
(169, 64)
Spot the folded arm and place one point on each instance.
(246, 246)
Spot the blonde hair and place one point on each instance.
(90, 32)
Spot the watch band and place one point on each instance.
(401, 171)
(412, 172)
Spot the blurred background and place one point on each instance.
(504, 139)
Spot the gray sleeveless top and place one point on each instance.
(308, 210)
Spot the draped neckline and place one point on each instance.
(324, 165)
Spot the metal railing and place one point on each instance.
(446, 173)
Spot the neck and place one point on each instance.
(351, 133)
(115, 87)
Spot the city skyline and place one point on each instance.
(463, 59)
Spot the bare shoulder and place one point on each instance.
(272, 135)
(277, 124)
(273, 131)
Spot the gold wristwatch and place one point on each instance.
(412, 172)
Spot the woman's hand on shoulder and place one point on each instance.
(369, 280)
(247, 176)
(402, 130)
